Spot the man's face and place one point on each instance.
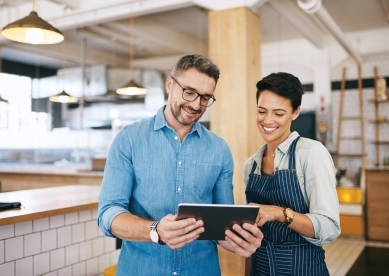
(185, 112)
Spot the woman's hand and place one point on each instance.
(268, 213)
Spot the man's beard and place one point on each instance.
(176, 111)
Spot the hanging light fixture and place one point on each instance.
(32, 30)
(63, 97)
(131, 88)
(3, 100)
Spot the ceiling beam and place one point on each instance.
(92, 34)
(72, 55)
(72, 4)
(151, 31)
(300, 20)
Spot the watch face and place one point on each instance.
(289, 213)
(154, 236)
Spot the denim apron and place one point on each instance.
(283, 251)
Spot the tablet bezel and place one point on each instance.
(217, 217)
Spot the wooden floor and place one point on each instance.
(343, 252)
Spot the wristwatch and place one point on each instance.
(154, 234)
(289, 216)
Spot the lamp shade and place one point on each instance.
(2, 100)
(63, 97)
(131, 88)
(32, 30)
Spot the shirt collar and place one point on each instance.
(161, 122)
(284, 146)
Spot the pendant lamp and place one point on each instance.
(32, 30)
(63, 97)
(3, 100)
(131, 88)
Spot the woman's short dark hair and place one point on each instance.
(200, 63)
(284, 84)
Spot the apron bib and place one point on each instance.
(283, 251)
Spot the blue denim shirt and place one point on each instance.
(316, 174)
(148, 172)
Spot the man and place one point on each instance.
(155, 164)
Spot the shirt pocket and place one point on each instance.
(205, 176)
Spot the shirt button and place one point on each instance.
(179, 162)
(175, 137)
(179, 189)
(175, 273)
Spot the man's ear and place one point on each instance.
(169, 84)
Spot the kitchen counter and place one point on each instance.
(16, 177)
(55, 232)
(46, 202)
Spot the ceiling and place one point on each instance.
(166, 29)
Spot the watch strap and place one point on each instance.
(153, 227)
(288, 219)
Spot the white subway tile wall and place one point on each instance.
(23, 267)
(32, 244)
(7, 269)
(13, 249)
(41, 224)
(23, 228)
(49, 240)
(41, 263)
(62, 245)
(57, 221)
(7, 231)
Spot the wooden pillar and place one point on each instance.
(234, 45)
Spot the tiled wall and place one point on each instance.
(61, 245)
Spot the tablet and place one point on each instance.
(218, 217)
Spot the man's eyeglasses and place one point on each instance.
(191, 95)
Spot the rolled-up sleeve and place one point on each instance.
(320, 185)
(117, 184)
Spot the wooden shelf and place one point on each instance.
(380, 142)
(375, 101)
(351, 138)
(351, 117)
(348, 156)
(379, 121)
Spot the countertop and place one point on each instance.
(81, 170)
(45, 202)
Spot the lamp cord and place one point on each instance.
(132, 47)
(33, 5)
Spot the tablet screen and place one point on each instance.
(218, 217)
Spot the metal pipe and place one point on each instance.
(315, 8)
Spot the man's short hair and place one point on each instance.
(200, 63)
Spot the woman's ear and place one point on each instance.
(296, 113)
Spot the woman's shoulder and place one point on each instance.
(307, 143)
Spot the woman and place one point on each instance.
(292, 179)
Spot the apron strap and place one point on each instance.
(292, 159)
(253, 168)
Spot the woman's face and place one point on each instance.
(274, 117)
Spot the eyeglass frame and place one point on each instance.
(198, 94)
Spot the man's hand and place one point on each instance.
(178, 233)
(247, 244)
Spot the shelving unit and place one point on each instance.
(378, 120)
(362, 154)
